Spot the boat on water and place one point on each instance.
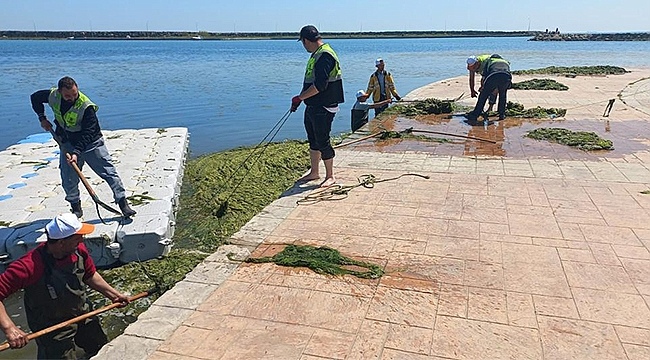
(197, 37)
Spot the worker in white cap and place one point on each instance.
(495, 78)
(381, 86)
(360, 109)
(54, 276)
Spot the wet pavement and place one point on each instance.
(509, 135)
(516, 250)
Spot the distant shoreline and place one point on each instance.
(556, 36)
(204, 35)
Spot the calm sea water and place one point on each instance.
(230, 93)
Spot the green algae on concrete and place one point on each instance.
(408, 134)
(422, 107)
(539, 84)
(322, 260)
(139, 199)
(207, 181)
(514, 109)
(210, 181)
(581, 139)
(572, 71)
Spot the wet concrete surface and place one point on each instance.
(509, 135)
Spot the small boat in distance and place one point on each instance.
(197, 37)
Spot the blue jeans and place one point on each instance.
(99, 160)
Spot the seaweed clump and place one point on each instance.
(514, 109)
(322, 260)
(573, 71)
(540, 84)
(584, 140)
(422, 107)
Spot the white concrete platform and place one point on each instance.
(150, 163)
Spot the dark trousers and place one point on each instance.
(62, 344)
(496, 81)
(318, 124)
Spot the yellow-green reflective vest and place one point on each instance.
(482, 60)
(334, 75)
(71, 121)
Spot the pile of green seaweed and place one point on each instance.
(581, 139)
(573, 71)
(514, 109)
(540, 84)
(322, 260)
(422, 107)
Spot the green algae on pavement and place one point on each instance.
(514, 109)
(208, 180)
(322, 260)
(581, 139)
(572, 71)
(539, 84)
(408, 134)
(422, 107)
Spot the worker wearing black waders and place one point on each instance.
(495, 79)
(78, 127)
(322, 92)
(54, 276)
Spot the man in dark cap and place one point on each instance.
(322, 92)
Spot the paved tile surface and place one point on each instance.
(502, 257)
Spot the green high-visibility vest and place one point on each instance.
(71, 120)
(334, 75)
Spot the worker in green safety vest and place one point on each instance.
(322, 92)
(495, 78)
(77, 126)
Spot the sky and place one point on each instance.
(332, 15)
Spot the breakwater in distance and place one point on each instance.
(205, 35)
(554, 36)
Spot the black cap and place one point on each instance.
(309, 32)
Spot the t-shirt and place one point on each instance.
(27, 270)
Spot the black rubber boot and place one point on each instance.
(76, 209)
(125, 208)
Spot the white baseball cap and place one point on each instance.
(379, 61)
(472, 60)
(66, 225)
(360, 93)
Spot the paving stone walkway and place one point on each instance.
(489, 258)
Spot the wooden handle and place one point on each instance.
(358, 140)
(83, 179)
(85, 316)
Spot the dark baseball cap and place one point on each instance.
(309, 32)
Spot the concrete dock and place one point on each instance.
(543, 255)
